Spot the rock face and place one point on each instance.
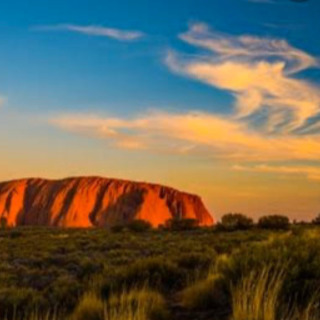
(93, 201)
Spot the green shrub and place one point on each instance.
(316, 220)
(139, 226)
(193, 261)
(17, 300)
(274, 222)
(235, 221)
(208, 294)
(177, 224)
(3, 222)
(154, 272)
(63, 292)
(118, 228)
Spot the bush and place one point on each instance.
(63, 292)
(19, 300)
(90, 307)
(235, 221)
(208, 294)
(195, 261)
(154, 272)
(177, 224)
(316, 220)
(139, 226)
(3, 222)
(274, 222)
(118, 228)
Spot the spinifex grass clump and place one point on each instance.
(90, 307)
(136, 304)
(256, 296)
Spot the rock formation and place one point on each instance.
(93, 201)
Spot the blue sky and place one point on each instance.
(98, 87)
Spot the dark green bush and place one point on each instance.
(118, 228)
(193, 261)
(64, 292)
(3, 223)
(20, 300)
(235, 221)
(139, 225)
(316, 220)
(177, 224)
(274, 222)
(157, 273)
(208, 294)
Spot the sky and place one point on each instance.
(217, 98)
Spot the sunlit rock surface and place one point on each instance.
(93, 201)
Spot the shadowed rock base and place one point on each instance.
(94, 201)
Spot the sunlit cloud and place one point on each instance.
(312, 173)
(261, 75)
(258, 72)
(196, 133)
(93, 30)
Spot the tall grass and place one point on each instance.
(136, 304)
(258, 297)
(90, 307)
(209, 290)
(35, 316)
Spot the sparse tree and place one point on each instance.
(235, 221)
(274, 222)
(316, 220)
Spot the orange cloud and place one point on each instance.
(312, 173)
(193, 133)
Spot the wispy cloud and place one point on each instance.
(312, 173)
(258, 72)
(191, 133)
(94, 30)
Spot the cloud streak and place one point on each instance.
(312, 173)
(258, 72)
(94, 30)
(195, 133)
(261, 75)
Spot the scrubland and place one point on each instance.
(204, 273)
